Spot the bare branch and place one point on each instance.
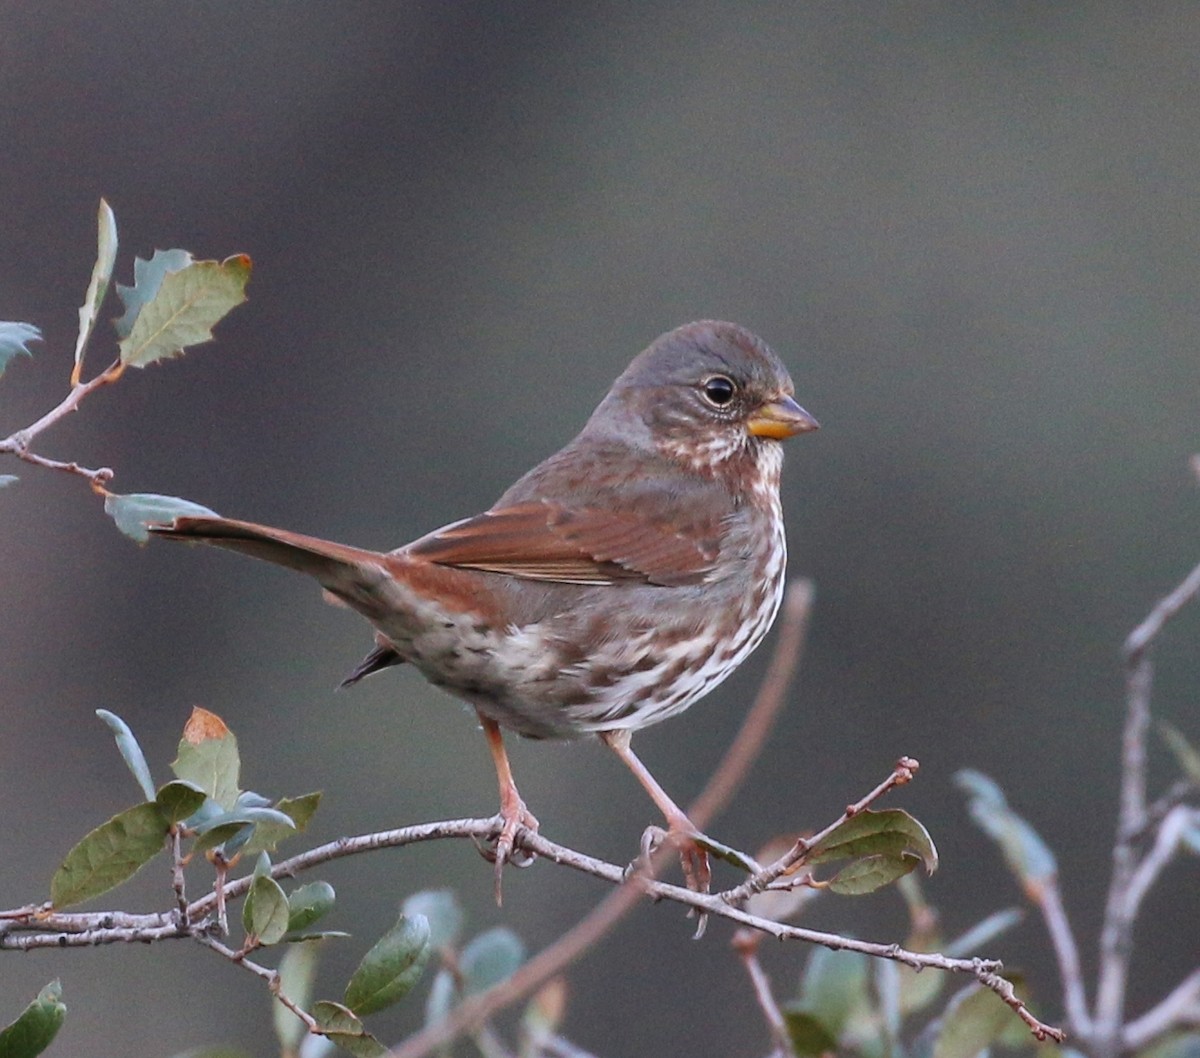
(748, 952)
(1066, 952)
(1180, 1009)
(268, 975)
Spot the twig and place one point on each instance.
(268, 975)
(1116, 935)
(1180, 1008)
(1066, 952)
(748, 952)
(18, 443)
(901, 774)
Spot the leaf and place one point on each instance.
(808, 1035)
(14, 339)
(1177, 1045)
(8, 479)
(390, 969)
(978, 935)
(341, 1026)
(106, 257)
(179, 800)
(440, 907)
(834, 986)
(545, 1011)
(109, 855)
(37, 1026)
(265, 913)
(130, 751)
(887, 833)
(208, 757)
(1027, 855)
(269, 834)
(220, 829)
(138, 510)
(187, 305)
(490, 958)
(1186, 755)
(147, 278)
(309, 903)
(871, 873)
(974, 1019)
(297, 976)
(443, 994)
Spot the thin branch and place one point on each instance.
(902, 773)
(267, 974)
(1116, 935)
(1180, 1009)
(1066, 952)
(747, 950)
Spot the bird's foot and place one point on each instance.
(513, 817)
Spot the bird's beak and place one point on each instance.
(780, 418)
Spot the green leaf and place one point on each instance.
(443, 994)
(14, 339)
(147, 278)
(37, 1026)
(390, 969)
(441, 908)
(974, 1019)
(135, 512)
(179, 800)
(490, 958)
(1186, 755)
(341, 1026)
(886, 833)
(309, 903)
(298, 937)
(265, 913)
(871, 873)
(808, 1035)
(268, 834)
(106, 257)
(297, 976)
(109, 855)
(1027, 855)
(835, 986)
(208, 757)
(8, 479)
(187, 305)
(130, 751)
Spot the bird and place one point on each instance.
(610, 587)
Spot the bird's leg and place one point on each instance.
(680, 830)
(512, 809)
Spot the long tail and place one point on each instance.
(352, 574)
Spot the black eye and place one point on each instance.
(719, 391)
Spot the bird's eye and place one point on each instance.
(718, 391)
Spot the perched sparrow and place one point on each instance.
(611, 586)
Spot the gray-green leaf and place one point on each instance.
(130, 751)
(974, 1019)
(147, 278)
(441, 908)
(265, 913)
(135, 512)
(346, 1030)
(490, 958)
(309, 903)
(109, 855)
(297, 975)
(390, 969)
(179, 800)
(106, 257)
(1026, 854)
(208, 758)
(14, 339)
(37, 1026)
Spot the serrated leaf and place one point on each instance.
(390, 969)
(37, 1026)
(208, 757)
(297, 976)
(187, 305)
(835, 986)
(974, 1019)
(265, 913)
(1027, 855)
(340, 1025)
(441, 908)
(308, 904)
(109, 855)
(1186, 755)
(807, 1034)
(106, 257)
(14, 339)
(490, 958)
(179, 800)
(135, 512)
(131, 752)
(298, 809)
(8, 479)
(886, 833)
(147, 278)
(871, 873)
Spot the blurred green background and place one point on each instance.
(970, 230)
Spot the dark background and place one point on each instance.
(970, 231)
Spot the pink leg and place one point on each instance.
(512, 808)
